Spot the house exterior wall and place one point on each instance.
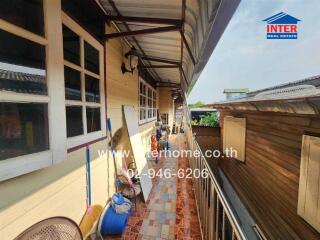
(166, 104)
(268, 180)
(60, 190)
(123, 89)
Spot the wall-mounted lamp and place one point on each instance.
(130, 61)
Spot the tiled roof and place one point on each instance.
(19, 76)
(22, 82)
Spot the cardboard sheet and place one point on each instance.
(137, 149)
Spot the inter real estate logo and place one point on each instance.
(282, 26)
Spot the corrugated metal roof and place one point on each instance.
(314, 81)
(300, 97)
(205, 22)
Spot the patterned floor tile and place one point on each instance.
(170, 213)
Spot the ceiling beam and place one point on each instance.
(188, 47)
(183, 16)
(169, 86)
(154, 59)
(160, 66)
(184, 75)
(114, 7)
(167, 21)
(142, 32)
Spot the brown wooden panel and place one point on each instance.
(268, 180)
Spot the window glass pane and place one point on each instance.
(93, 119)
(23, 129)
(144, 89)
(22, 65)
(86, 14)
(72, 84)
(24, 13)
(74, 121)
(92, 89)
(71, 46)
(142, 101)
(91, 58)
(142, 114)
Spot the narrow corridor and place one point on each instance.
(170, 212)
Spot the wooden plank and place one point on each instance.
(308, 204)
(235, 135)
(137, 150)
(268, 182)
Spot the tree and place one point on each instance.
(196, 105)
(208, 120)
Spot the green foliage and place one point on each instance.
(196, 105)
(194, 122)
(209, 120)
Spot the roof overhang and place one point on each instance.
(175, 38)
(298, 105)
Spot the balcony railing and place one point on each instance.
(215, 215)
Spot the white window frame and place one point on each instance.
(57, 152)
(147, 108)
(86, 37)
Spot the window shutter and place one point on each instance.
(234, 136)
(309, 183)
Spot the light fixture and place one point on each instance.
(130, 61)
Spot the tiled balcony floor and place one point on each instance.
(170, 212)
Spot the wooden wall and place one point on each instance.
(208, 138)
(268, 180)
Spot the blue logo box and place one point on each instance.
(282, 36)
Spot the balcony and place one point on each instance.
(183, 207)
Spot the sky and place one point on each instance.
(244, 58)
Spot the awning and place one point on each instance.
(175, 37)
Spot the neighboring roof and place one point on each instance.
(204, 24)
(313, 81)
(22, 82)
(20, 76)
(203, 110)
(301, 97)
(282, 18)
(236, 90)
